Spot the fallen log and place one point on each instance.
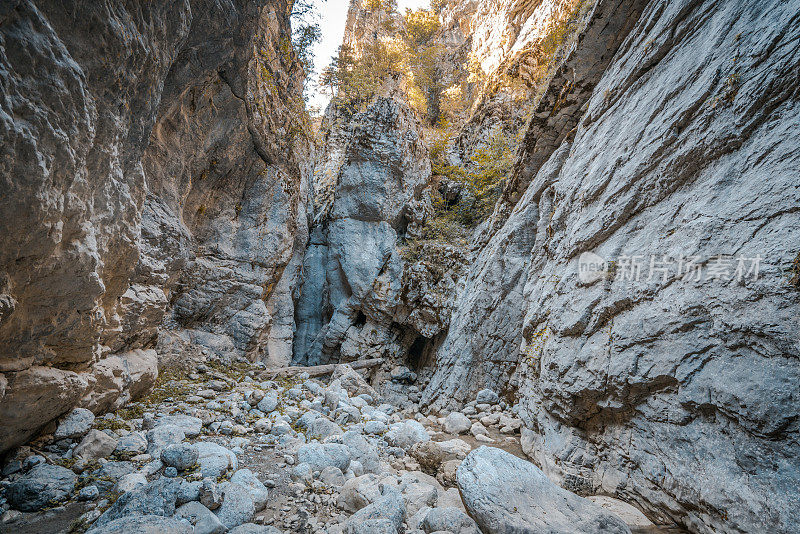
(316, 370)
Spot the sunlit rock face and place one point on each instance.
(675, 393)
(152, 171)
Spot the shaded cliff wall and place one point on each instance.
(673, 393)
(147, 149)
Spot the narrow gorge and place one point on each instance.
(535, 268)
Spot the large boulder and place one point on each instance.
(155, 498)
(41, 486)
(191, 426)
(504, 494)
(143, 524)
(362, 451)
(358, 492)
(432, 454)
(162, 436)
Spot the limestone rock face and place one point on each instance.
(670, 391)
(152, 177)
(353, 269)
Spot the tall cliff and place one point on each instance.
(152, 177)
(655, 132)
(672, 391)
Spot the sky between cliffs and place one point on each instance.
(332, 19)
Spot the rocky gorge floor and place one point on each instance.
(220, 449)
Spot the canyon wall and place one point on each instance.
(672, 389)
(152, 174)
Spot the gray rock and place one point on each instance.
(268, 403)
(321, 455)
(322, 427)
(130, 481)
(142, 524)
(215, 460)
(456, 423)
(237, 505)
(251, 528)
(201, 518)
(189, 491)
(42, 485)
(191, 426)
(258, 491)
(418, 495)
(155, 498)
(170, 472)
(332, 476)
(362, 451)
(623, 353)
(386, 514)
(358, 492)
(95, 445)
(406, 434)
(127, 240)
(505, 493)
(88, 493)
(375, 427)
(487, 396)
(210, 494)
(75, 424)
(131, 444)
(303, 472)
(181, 456)
(352, 381)
(161, 436)
(451, 519)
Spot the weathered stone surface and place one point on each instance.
(75, 424)
(41, 486)
(504, 493)
(180, 455)
(373, 167)
(96, 444)
(163, 436)
(201, 518)
(118, 379)
(143, 524)
(55, 392)
(248, 479)
(386, 514)
(251, 528)
(237, 505)
(667, 391)
(450, 519)
(406, 434)
(155, 498)
(321, 455)
(215, 460)
(456, 423)
(147, 156)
